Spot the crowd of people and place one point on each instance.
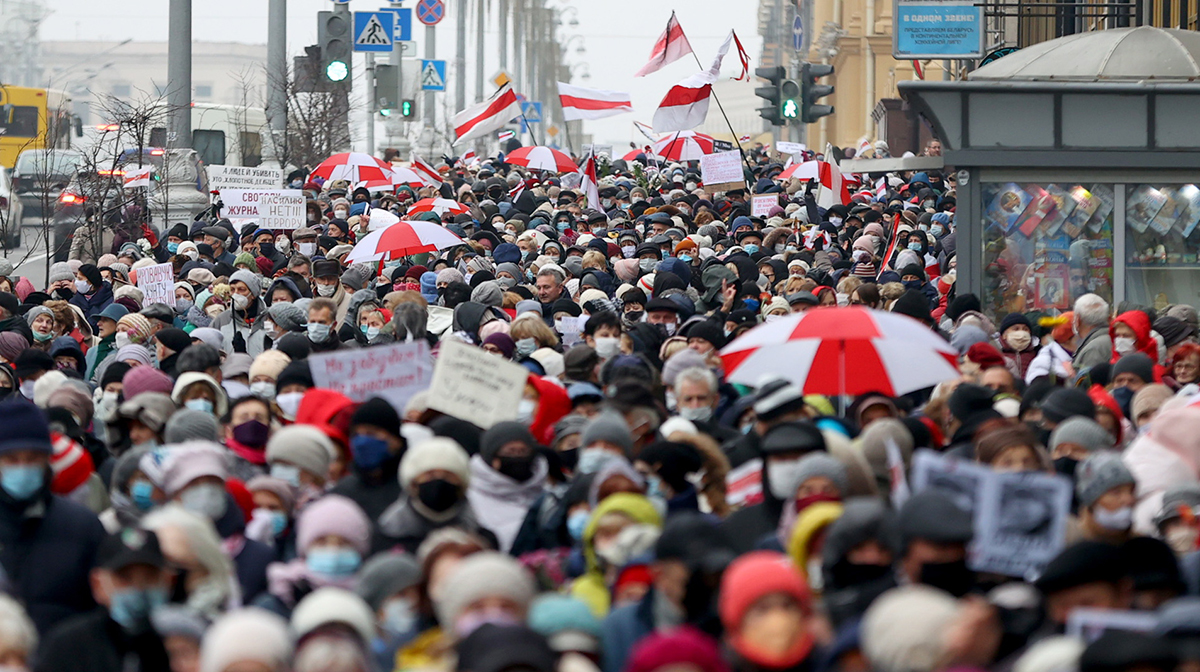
(177, 494)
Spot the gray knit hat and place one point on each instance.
(385, 575)
(60, 271)
(288, 316)
(189, 425)
(252, 281)
(1098, 474)
(1187, 495)
(488, 293)
(353, 278)
(35, 311)
(610, 427)
(481, 575)
(822, 464)
(1081, 431)
(302, 446)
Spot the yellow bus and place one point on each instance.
(33, 119)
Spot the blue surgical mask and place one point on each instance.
(142, 493)
(317, 332)
(562, 226)
(399, 618)
(369, 332)
(750, 249)
(172, 247)
(279, 522)
(685, 258)
(23, 481)
(131, 608)
(526, 347)
(286, 472)
(577, 523)
(654, 486)
(369, 451)
(937, 230)
(751, 304)
(202, 405)
(914, 245)
(333, 562)
(592, 460)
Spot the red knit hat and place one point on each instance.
(750, 578)
(685, 647)
(146, 379)
(985, 355)
(71, 464)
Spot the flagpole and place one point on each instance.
(727, 123)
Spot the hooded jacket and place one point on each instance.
(1144, 343)
(92, 305)
(501, 502)
(591, 587)
(553, 404)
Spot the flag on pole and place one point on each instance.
(468, 158)
(744, 138)
(833, 188)
(743, 58)
(864, 146)
(881, 187)
(429, 175)
(487, 116)
(581, 103)
(516, 191)
(505, 135)
(917, 68)
(671, 46)
(645, 130)
(138, 177)
(686, 104)
(589, 183)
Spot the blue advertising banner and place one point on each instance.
(938, 30)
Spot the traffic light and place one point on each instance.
(333, 36)
(306, 70)
(408, 108)
(772, 93)
(811, 91)
(789, 100)
(387, 88)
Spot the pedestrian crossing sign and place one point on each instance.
(374, 31)
(433, 75)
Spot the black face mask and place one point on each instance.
(845, 574)
(520, 469)
(952, 577)
(266, 249)
(1066, 466)
(439, 495)
(569, 458)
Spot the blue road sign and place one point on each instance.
(433, 75)
(532, 112)
(430, 12)
(403, 23)
(374, 31)
(797, 34)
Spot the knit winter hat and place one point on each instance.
(276, 486)
(1137, 363)
(253, 282)
(436, 453)
(136, 326)
(1098, 474)
(552, 614)
(71, 463)
(609, 427)
(303, 446)
(385, 575)
(246, 635)
(754, 576)
(190, 425)
(377, 412)
(47, 383)
(1081, 431)
(334, 605)
(503, 433)
(190, 378)
(1063, 403)
(481, 575)
(191, 460)
(337, 516)
(60, 271)
(11, 345)
(287, 316)
(269, 363)
(145, 379)
(904, 629)
(1147, 400)
(822, 464)
(136, 353)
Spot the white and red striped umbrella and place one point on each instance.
(440, 206)
(400, 176)
(809, 170)
(684, 146)
(402, 239)
(354, 167)
(843, 351)
(542, 158)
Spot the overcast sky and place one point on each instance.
(618, 36)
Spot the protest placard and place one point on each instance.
(472, 384)
(394, 372)
(962, 480)
(793, 148)
(157, 283)
(243, 177)
(761, 204)
(269, 208)
(722, 171)
(1089, 623)
(571, 329)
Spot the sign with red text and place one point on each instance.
(393, 372)
(269, 208)
(157, 283)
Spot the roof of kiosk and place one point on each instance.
(1117, 55)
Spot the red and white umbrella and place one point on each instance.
(684, 146)
(542, 158)
(400, 176)
(843, 351)
(354, 167)
(440, 206)
(809, 170)
(401, 240)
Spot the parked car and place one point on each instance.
(40, 175)
(11, 213)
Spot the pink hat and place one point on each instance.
(190, 460)
(146, 379)
(337, 516)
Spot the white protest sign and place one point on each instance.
(761, 204)
(1090, 623)
(722, 171)
(570, 328)
(157, 283)
(474, 385)
(598, 149)
(793, 148)
(269, 208)
(394, 372)
(241, 177)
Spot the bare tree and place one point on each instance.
(317, 119)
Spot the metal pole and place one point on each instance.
(430, 54)
(460, 57)
(480, 75)
(277, 71)
(372, 103)
(503, 11)
(518, 20)
(179, 73)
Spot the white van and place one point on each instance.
(224, 135)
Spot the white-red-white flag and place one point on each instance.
(833, 188)
(487, 116)
(646, 130)
(505, 135)
(744, 138)
(671, 46)
(580, 103)
(516, 191)
(138, 177)
(686, 105)
(743, 58)
(468, 158)
(589, 183)
(864, 146)
(881, 187)
(429, 175)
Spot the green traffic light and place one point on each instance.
(406, 108)
(385, 112)
(790, 109)
(336, 71)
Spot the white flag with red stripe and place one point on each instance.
(589, 183)
(671, 46)
(487, 116)
(686, 105)
(833, 186)
(138, 177)
(469, 158)
(516, 191)
(581, 103)
(429, 175)
(743, 58)
(881, 187)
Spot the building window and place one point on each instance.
(122, 90)
(204, 91)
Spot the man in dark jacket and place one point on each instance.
(129, 583)
(377, 447)
(47, 544)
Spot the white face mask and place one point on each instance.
(289, 403)
(1124, 345)
(122, 339)
(27, 389)
(340, 214)
(1018, 340)
(240, 301)
(307, 249)
(1181, 539)
(263, 388)
(696, 414)
(283, 245)
(326, 290)
(784, 477)
(525, 410)
(83, 286)
(1117, 521)
(207, 500)
(608, 346)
